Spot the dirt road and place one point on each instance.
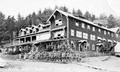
(94, 64)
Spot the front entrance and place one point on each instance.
(83, 45)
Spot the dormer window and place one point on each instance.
(30, 31)
(37, 30)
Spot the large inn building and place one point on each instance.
(77, 32)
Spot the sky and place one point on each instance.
(26, 7)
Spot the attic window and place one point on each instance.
(58, 22)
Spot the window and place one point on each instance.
(76, 23)
(92, 37)
(83, 25)
(58, 22)
(85, 35)
(105, 32)
(72, 32)
(88, 26)
(93, 28)
(78, 34)
(99, 30)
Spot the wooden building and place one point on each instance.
(64, 28)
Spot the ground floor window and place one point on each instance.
(85, 35)
(72, 32)
(93, 46)
(78, 34)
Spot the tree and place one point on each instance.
(46, 14)
(112, 22)
(63, 8)
(102, 17)
(93, 17)
(87, 15)
(79, 12)
(73, 12)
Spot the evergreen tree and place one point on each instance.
(87, 15)
(79, 12)
(112, 22)
(63, 8)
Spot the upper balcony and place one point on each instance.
(34, 29)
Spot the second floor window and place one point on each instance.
(72, 32)
(79, 34)
(85, 35)
(99, 30)
(93, 28)
(88, 26)
(92, 37)
(76, 23)
(105, 32)
(83, 25)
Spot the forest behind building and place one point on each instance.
(10, 25)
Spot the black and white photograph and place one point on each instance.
(59, 36)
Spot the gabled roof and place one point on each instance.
(78, 18)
